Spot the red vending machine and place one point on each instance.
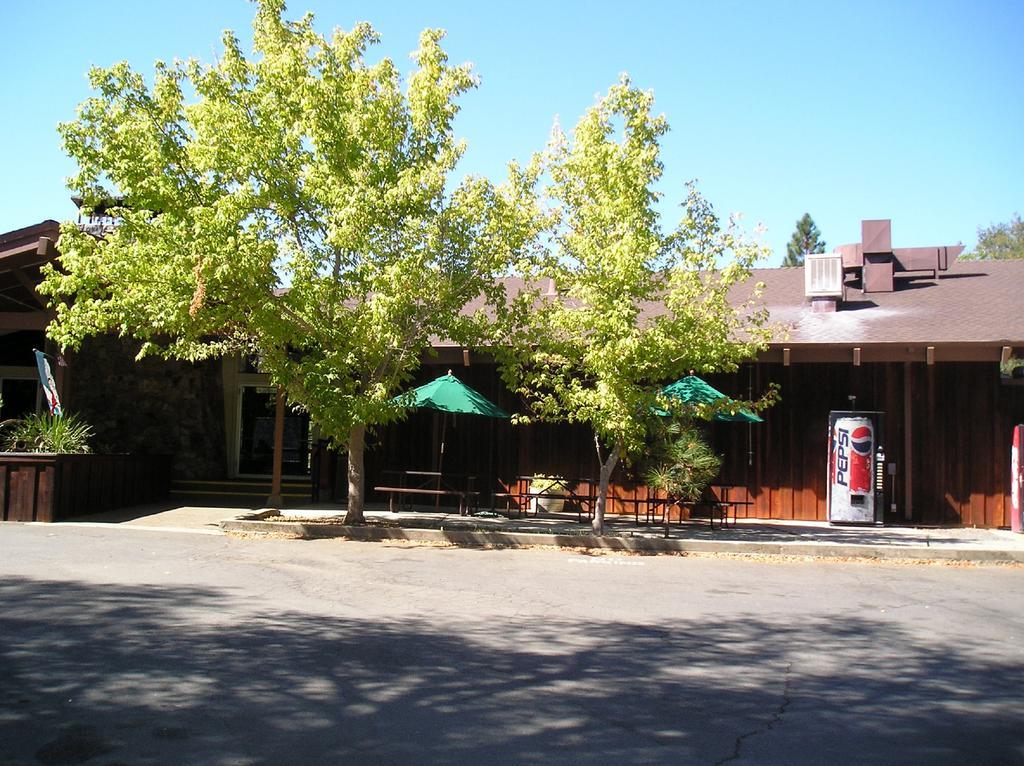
(856, 467)
(1017, 479)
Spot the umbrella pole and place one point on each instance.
(440, 459)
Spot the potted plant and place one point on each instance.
(46, 433)
(543, 487)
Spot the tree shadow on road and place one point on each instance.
(147, 675)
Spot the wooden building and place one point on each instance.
(911, 332)
(915, 334)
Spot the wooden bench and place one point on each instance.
(723, 498)
(716, 500)
(514, 494)
(649, 504)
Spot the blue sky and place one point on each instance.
(912, 111)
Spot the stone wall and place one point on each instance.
(150, 407)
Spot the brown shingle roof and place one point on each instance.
(973, 302)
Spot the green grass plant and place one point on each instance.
(57, 434)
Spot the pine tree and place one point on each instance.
(806, 239)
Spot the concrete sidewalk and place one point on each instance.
(796, 538)
(168, 516)
(747, 536)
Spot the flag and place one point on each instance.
(48, 384)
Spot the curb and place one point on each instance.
(254, 524)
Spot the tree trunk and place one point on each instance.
(602, 492)
(356, 478)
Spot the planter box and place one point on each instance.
(43, 487)
(548, 505)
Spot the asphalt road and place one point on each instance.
(122, 646)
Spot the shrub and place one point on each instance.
(548, 485)
(66, 434)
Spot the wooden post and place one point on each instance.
(908, 442)
(275, 500)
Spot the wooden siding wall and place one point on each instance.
(962, 417)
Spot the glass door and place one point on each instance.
(256, 437)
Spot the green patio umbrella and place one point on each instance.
(448, 394)
(693, 390)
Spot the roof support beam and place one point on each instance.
(24, 320)
(38, 247)
(816, 353)
(28, 255)
(29, 285)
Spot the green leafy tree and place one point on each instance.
(297, 204)
(636, 306)
(806, 239)
(1001, 241)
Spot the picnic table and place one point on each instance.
(429, 484)
(720, 500)
(717, 500)
(521, 495)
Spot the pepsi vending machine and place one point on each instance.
(856, 467)
(1017, 479)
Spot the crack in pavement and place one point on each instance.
(776, 717)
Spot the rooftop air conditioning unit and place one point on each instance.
(823, 275)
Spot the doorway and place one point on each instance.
(256, 435)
